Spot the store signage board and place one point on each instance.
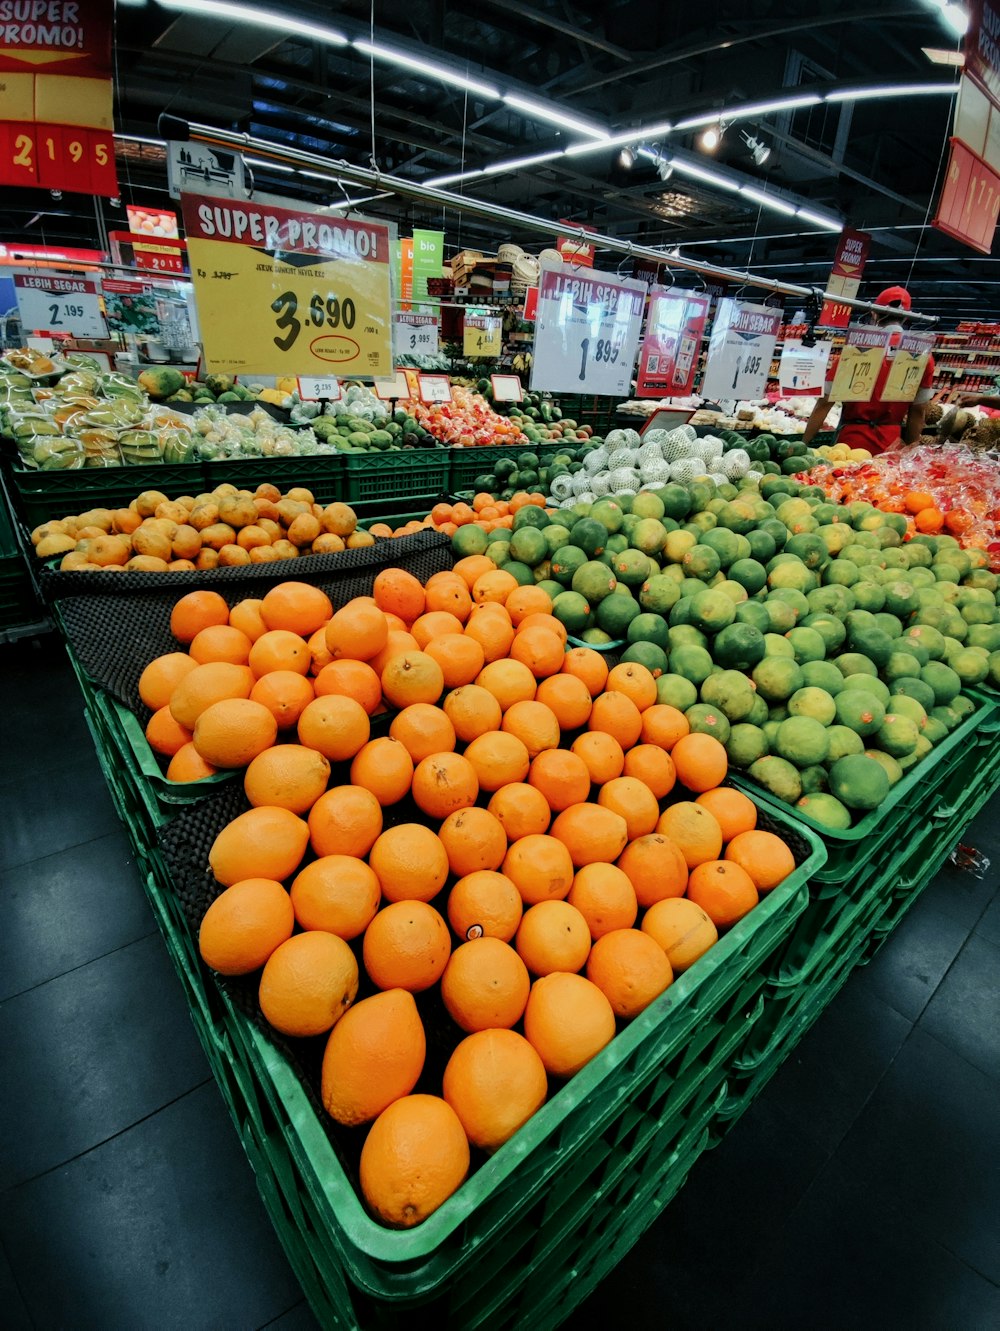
(859, 363)
(530, 311)
(482, 334)
(151, 222)
(59, 303)
(433, 388)
(574, 250)
(802, 369)
(130, 307)
(414, 334)
(977, 122)
(507, 388)
(428, 260)
(845, 277)
(587, 332)
(970, 199)
(909, 362)
(391, 390)
(668, 359)
(313, 388)
(740, 350)
(981, 47)
(668, 418)
(51, 156)
(215, 171)
(281, 290)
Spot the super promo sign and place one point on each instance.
(284, 231)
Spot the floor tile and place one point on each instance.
(15, 1314)
(964, 1013)
(160, 1227)
(95, 1051)
(988, 926)
(827, 1079)
(911, 965)
(959, 894)
(70, 807)
(67, 909)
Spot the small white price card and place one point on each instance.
(391, 390)
(415, 334)
(740, 350)
(59, 303)
(318, 389)
(434, 387)
(587, 332)
(802, 369)
(506, 388)
(482, 334)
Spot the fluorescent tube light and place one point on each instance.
(270, 166)
(625, 137)
(955, 19)
(453, 179)
(767, 200)
(516, 163)
(696, 122)
(261, 18)
(430, 70)
(827, 223)
(765, 108)
(892, 90)
(542, 111)
(709, 177)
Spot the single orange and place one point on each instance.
(547, 622)
(385, 768)
(262, 843)
(540, 868)
(534, 724)
(485, 989)
(220, 642)
(245, 616)
(553, 936)
(656, 868)
(635, 681)
(285, 694)
(375, 1055)
(652, 766)
(494, 1081)
(484, 904)
(724, 890)
(538, 649)
(561, 776)
(435, 624)
(187, 764)
(521, 809)
(197, 611)
(633, 801)
(493, 632)
(733, 811)
(358, 631)
(414, 1128)
(423, 729)
(605, 897)
(524, 601)
(399, 593)
(682, 929)
(406, 946)
(472, 567)
(615, 714)
(473, 711)
(568, 698)
(461, 658)
(337, 893)
(205, 685)
(498, 759)
(308, 983)
(296, 606)
(286, 776)
(473, 839)
(568, 1020)
(602, 753)
(701, 762)
(509, 682)
(663, 725)
(448, 593)
(163, 674)
(588, 666)
(591, 833)
(244, 925)
(766, 858)
(280, 649)
(410, 861)
(346, 820)
(630, 969)
(350, 679)
(335, 726)
(444, 783)
(693, 830)
(164, 734)
(412, 677)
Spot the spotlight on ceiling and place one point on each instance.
(626, 157)
(710, 139)
(759, 150)
(664, 169)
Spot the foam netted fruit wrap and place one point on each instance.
(117, 623)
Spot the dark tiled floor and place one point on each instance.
(860, 1191)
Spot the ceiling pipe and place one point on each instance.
(178, 130)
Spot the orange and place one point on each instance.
(280, 649)
(443, 783)
(633, 801)
(494, 1081)
(308, 983)
(435, 624)
(412, 677)
(472, 711)
(567, 1021)
(495, 585)
(415, 1156)
(498, 759)
(296, 606)
(553, 936)
(473, 839)
(630, 969)
(693, 830)
(649, 764)
(508, 681)
(423, 729)
(521, 809)
(187, 764)
(268, 842)
(410, 861)
(591, 833)
(524, 601)
(318, 651)
(605, 897)
(461, 658)
(406, 946)
(534, 724)
(732, 810)
(588, 666)
(723, 890)
(163, 674)
(701, 762)
(286, 776)
(375, 1055)
(448, 593)
(195, 612)
(615, 714)
(231, 733)
(337, 893)
(540, 868)
(346, 820)
(494, 632)
(334, 726)
(568, 699)
(350, 679)
(484, 904)
(916, 500)
(472, 567)
(245, 616)
(663, 725)
(399, 593)
(635, 681)
(358, 631)
(929, 520)
(220, 642)
(547, 622)
(538, 649)
(602, 753)
(764, 857)
(487, 988)
(397, 642)
(244, 925)
(561, 776)
(205, 685)
(164, 734)
(285, 694)
(655, 867)
(385, 768)
(682, 929)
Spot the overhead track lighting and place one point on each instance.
(709, 177)
(518, 162)
(664, 169)
(542, 111)
(768, 200)
(712, 137)
(626, 158)
(759, 150)
(429, 69)
(261, 18)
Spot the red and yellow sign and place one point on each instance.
(845, 277)
(859, 363)
(281, 291)
(970, 199)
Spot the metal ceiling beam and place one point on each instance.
(567, 29)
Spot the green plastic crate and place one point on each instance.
(19, 604)
(39, 496)
(8, 540)
(396, 475)
(322, 473)
(465, 464)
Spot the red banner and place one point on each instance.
(573, 250)
(982, 47)
(845, 277)
(57, 36)
(970, 199)
(530, 311)
(668, 358)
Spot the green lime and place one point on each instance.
(746, 743)
(676, 691)
(594, 581)
(826, 810)
(859, 782)
(802, 741)
(573, 611)
(778, 776)
(705, 719)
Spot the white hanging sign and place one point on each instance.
(59, 303)
(740, 350)
(803, 369)
(414, 334)
(586, 332)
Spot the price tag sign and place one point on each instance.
(482, 334)
(415, 334)
(587, 332)
(803, 369)
(433, 388)
(859, 364)
(907, 367)
(390, 390)
(669, 357)
(506, 388)
(740, 350)
(312, 389)
(58, 303)
(280, 290)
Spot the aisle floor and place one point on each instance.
(860, 1191)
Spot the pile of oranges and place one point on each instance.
(484, 511)
(565, 846)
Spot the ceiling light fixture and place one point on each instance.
(430, 70)
(664, 169)
(516, 163)
(261, 18)
(543, 112)
(768, 200)
(627, 137)
(892, 90)
(439, 181)
(709, 177)
(779, 104)
(955, 19)
(759, 150)
(626, 158)
(711, 138)
(827, 223)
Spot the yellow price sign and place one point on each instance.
(482, 335)
(284, 291)
(859, 364)
(908, 367)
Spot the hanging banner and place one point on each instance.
(981, 47)
(414, 334)
(530, 312)
(675, 324)
(740, 350)
(280, 290)
(845, 277)
(405, 271)
(586, 333)
(428, 260)
(575, 251)
(802, 369)
(970, 199)
(482, 334)
(57, 303)
(152, 222)
(859, 363)
(907, 367)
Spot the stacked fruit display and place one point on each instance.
(569, 828)
(467, 421)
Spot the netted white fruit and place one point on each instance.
(752, 475)
(596, 459)
(688, 430)
(676, 446)
(655, 437)
(704, 448)
(686, 469)
(632, 438)
(620, 457)
(561, 486)
(624, 481)
(571, 502)
(601, 483)
(719, 477)
(654, 470)
(581, 482)
(587, 497)
(616, 438)
(735, 463)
